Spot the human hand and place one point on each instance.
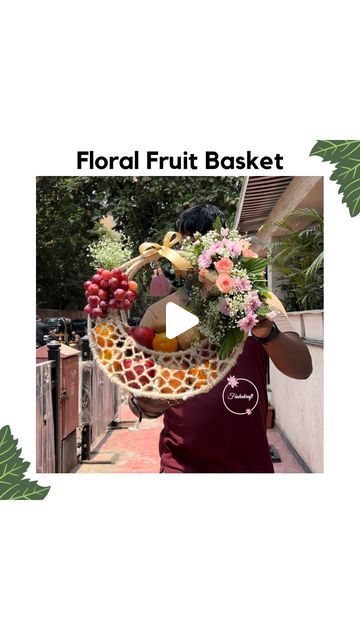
(263, 328)
(151, 406)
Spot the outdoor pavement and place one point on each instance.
(122, 450)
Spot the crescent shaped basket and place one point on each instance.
(153, 374)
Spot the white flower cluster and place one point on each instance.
(110, 251)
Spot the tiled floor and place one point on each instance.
(125, 451)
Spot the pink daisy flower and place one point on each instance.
(242, 284)
(204, 260)
(247, 323)
(224, 307)
(254, 301)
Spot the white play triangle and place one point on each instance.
(178, 320)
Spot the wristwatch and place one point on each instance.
(273, 334)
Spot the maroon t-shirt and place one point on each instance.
(224, 430)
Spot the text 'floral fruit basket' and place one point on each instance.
(227, 291)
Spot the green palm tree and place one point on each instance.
(298, 258)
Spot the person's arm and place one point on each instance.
(148, 407)
(287, 351)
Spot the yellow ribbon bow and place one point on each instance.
(153, 250)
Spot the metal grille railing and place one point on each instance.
(45, 433)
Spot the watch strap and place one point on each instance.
(272, 335)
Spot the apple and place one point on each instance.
(129, 374)
(147, 368)
(87, 284)
(104, 305)
(143, 336)
(106, 274)
(144, 370)
(104, 284)
(88, 308)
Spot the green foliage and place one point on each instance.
(67, 222)
(111, 250)
(345, 154)
(150, 207)
(217, 224)
(298, 257)
(232, 339)
(69, 210)
(254, 266)
(13, 485)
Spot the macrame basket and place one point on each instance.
(143, 372)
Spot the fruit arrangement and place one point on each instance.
(141, 359)
(155, 338)
(109, 290)
(139, 370)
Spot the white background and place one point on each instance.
(207, 556)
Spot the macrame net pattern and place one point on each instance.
(153, 374)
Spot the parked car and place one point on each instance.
(41, 331)
(79, 325)
(62, 326)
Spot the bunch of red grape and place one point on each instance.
(109, 290)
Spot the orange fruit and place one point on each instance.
(106, 354)
(107, 329)
(162, 343)
(100, 341)
(201, 375)
(171, 380)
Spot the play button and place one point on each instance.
(178, 320)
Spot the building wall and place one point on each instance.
(60, 313)
(302, 192)
(299, 410)
(299, 403)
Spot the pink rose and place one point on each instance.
(247, 253)
(207, 275)
(224, 265)
(202, 274)
(224, 282)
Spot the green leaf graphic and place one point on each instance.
(13, 485)
(345, 154)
